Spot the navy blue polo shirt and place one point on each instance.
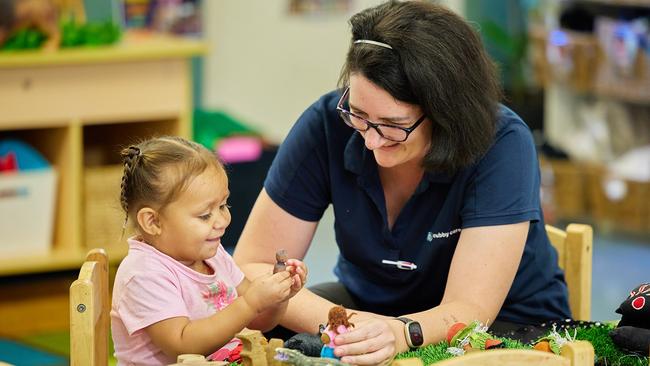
(322, 161)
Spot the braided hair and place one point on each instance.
(157, 170)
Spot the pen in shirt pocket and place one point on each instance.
(408, 266)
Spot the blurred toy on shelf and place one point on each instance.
(40, 15)
(40, 24)
(181, 17)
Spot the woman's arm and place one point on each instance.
(268, 229)
(482, 270)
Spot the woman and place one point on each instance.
(434, 185)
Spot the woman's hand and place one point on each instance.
(371, 342)
(298, 271)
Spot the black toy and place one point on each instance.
(633, 331)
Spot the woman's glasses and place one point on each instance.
(389, 132)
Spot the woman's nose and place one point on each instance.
(373, 139)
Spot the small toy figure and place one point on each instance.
(281, 257)
(468, 338)
(633, 331)
(306, 343)
(554, 341)
(43, 15)
(293, 357)
(337, 323)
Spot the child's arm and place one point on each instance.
(271, 317)
(203, 336)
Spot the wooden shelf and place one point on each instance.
(57, 260)
(133, 47)
(77, 107)
(639, 3)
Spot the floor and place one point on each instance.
(619, 264)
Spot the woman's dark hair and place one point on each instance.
(437, 62)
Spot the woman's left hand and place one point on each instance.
(370, 342)
(298, 271)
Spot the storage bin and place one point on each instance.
(564, 56)
(103, 215)
(625, 70)
(570, 193)
(27, 200)
(619, 204)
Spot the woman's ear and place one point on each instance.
(148, 220)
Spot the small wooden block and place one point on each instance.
(408, 362)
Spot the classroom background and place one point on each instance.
(235, 75)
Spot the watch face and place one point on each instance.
(415, 333)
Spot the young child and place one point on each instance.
(178, 291)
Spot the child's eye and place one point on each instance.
(224, 206)
(205, 217)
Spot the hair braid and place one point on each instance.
(130, 157)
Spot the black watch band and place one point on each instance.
(412, 332)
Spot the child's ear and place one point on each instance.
(148, 221)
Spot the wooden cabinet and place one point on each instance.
(78, 107)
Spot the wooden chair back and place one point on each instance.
(575, 248)
(578, 353)
(89, 312)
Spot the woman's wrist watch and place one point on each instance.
(412, 332)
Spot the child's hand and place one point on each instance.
(269, 290)
(298, 271)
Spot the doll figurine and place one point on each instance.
(281, 257)
(337, 323)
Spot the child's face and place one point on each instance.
(193, 224)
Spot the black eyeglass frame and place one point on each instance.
(342, 111)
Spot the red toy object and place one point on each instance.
(493, 343)
(464, 338)
(453, 330)
(8, 163)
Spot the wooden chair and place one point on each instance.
(89, 312)
(578, 353)
(575, 249)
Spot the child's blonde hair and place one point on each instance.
(157, 170)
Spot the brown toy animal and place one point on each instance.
(39, 14)
(336, 317)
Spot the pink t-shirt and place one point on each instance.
(151, 286)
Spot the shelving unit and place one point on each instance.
(594, 77)
(78, 107)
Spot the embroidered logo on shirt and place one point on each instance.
(218, 295)
(440, 235)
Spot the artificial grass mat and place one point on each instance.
(606, 353)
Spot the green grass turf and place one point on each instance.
(606, 353)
